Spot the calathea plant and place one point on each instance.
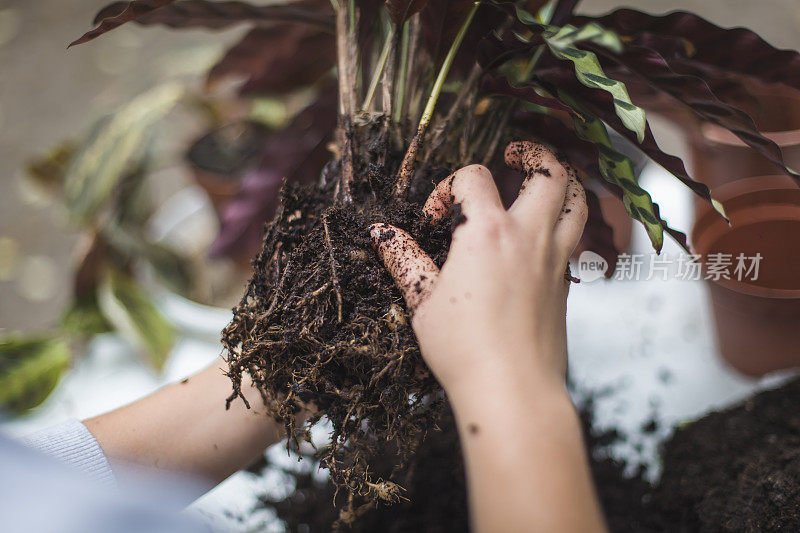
(406, 91)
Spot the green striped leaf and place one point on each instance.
(29, 371)
(590, 73)
(562, 43)
(115, 146)
(617, 168)
(568, 35)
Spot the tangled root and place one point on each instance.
(322, 327)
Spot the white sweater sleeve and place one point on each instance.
(73, 444)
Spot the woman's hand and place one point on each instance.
(497, 308)
(491, 326)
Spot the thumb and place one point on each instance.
(414, 272)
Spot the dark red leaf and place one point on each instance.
(297, 154)
(494, 50)
(563, 11)
(501, 86)
(217, 15)
(736, 50)
(678, 236)
(277, 60)
(402, 10)
(695, 93)
(730, 88)
(600, 104)
(132, 11)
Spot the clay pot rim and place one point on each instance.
(709, 217)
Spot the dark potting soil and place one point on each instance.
(733, 470)
(736, 470)
(322, 323)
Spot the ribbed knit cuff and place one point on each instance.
(73, 444)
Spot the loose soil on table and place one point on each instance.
(733, 470)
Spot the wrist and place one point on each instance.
(511, 389)
(508, 375)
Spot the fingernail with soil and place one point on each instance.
(375, 232)
(380, 232)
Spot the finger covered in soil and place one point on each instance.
(413, 271)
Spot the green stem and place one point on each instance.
(376, 76)
(401, 89)
(528, 72)
(427, 114)
(407, 166)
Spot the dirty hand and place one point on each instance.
(491, 326)
(496, 311)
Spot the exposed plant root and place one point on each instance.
(322, 324)
(334, 277)
(406, 172)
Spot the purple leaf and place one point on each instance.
(598, 235)
(217, 15)
(132, 11)
(440, 21)
(737, 50)
(297, 154)
(563, 11)
(402, 10)
(501, 86)
(277, 60)
(678, 236)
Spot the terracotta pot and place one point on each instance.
(718, 156)
(757, 320)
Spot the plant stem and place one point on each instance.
(407, 166)
(401, 89)
(415, 87)
(345, 50)
(427, 114)
(389, 78)
(376, 76)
